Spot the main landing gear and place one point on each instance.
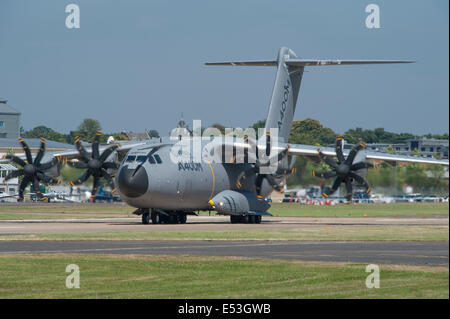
(245, 219)
(164, 218)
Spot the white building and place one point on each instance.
(11, 186)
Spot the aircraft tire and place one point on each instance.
(182, 218)
(252, 219)
(156, 218)
(172, 219)
(234, 219)
(258, 219)
(245, 219)
(145, 218)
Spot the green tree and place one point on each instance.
(390, 150)
(310, 131)
(45, 132)
(88, 128)
(220, 127)
(415, 152)
(415, 176)
(259, 124)
(153, 133)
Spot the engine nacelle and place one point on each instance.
(237, 203)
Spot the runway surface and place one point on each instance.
(405, 253)
(202, 223)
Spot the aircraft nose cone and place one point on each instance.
(133, 183)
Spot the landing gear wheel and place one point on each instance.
(245, 219)
(252, 219)
(258, 219)
(145, 218)
(234, 219)
(182, 218)
(173, 219)
(156, 218)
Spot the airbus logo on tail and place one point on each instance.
(286, 91)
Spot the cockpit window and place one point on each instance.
(141, 159)
(158, 159)
(151, 159)
(131, 158)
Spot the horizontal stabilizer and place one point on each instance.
(246, 63)
(307, 62)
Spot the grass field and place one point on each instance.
(43, 276)
(358, 210)
(310, 233)
(57, 210)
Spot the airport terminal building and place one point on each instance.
(9, 121)
(427, 147)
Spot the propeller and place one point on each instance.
(344, 169)
(255, 169)
(94, 164)
(32, 170)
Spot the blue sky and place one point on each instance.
(137, 65)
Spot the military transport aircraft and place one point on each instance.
(165, 191)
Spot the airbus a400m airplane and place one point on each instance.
(165, 191)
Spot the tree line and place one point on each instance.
(85, 131)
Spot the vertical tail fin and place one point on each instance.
(284, 95)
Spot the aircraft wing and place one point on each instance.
(74, 154)
(8, 196)
(71, 154)
(311, 151)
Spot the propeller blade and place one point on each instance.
(349, 188)
(329, 161)
(84, 155)
(110, 165)
(36, 187)
(16, 160)
(339, 146)
(95, 185)
(50, 164)
(40, 154)
(258, 184)
(253, 147)
(13, 174)
(95, 151)
(81, 179)
(268, 144)
(108, 152)
(328, 174)
(361, 165)
(109, 180)
(79, 165)
(27, 151)
(360, 180)
(280, 155)
(353, 152)
(334, 188)
(273, 182)
(244, 175)
(25, 181)
(47, 179)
